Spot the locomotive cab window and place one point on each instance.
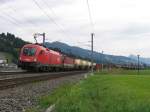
(29, 51)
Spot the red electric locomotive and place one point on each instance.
(37, 57)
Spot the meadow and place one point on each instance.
(107, 91)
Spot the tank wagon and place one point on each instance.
(39, 58)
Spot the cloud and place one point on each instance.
(5, 1)
(136, 29)
(121, 26)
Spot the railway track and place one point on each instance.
(13, 72)
(5, 73)
(24, 72)
(13, 82)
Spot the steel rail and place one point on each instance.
(13, 82)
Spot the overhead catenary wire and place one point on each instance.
(90, 16)
(30, 22)
(49, 17)
(52, 11)
(7, 19)
(19, 24)
(34, 25)
(16, 22)
(13, 20)
(54, 14)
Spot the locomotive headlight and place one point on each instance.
(35, 60)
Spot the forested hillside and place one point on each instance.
(11, 44)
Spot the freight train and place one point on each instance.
(39, 58)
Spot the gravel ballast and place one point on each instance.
(25, 96)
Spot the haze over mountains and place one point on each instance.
(144, 60)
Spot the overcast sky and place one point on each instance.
(121, 27)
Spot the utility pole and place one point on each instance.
(138, 62)
(92, 36)
(43, 38)
(102, 60)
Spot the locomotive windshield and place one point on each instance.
(29, 51)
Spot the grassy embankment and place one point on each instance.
(8, 56)
(103, 92)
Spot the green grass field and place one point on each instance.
(113, 91)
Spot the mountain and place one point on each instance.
(86, 54)
(142, 59)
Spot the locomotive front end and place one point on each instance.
(28, 58)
